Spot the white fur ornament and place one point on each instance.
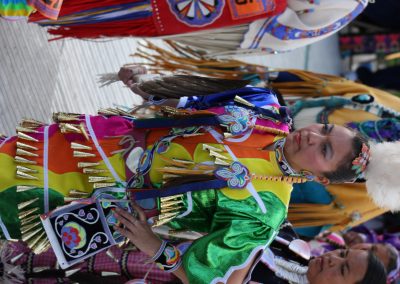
(383, 175)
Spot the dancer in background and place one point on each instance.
(117, 265)
(221, 27)
(360, 237)
(280, 263)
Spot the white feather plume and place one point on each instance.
(383, 175)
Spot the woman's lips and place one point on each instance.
(317, 263)
(321, 259)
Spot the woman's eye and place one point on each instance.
(325, 128)
(342, 253)
(324, 150)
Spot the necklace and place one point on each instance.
(280, 158)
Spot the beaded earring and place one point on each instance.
(359, 164)
(307, 174)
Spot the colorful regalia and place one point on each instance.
(118, 265)
(222, 27)
(112, 18)
(302, 23)
(279, 264)
(18, 9)
(14, 9)
(330, 99)
(205, 168)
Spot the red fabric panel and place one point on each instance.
(167, 22)
(164, 20)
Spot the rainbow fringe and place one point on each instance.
(15, 8)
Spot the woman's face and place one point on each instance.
(318, 148)
(352, 238)
(338, 267)
(380, 250)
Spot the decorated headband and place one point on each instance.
(383, 175)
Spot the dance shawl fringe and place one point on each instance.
(114, 18)
(183, 59)
(179, 58)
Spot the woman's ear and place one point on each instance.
(322, 180)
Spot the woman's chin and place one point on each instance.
(312, 269)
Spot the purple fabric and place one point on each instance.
(135, 263)
(373, 237)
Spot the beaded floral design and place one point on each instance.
(236, 119)
(236, 175)
(360, 163)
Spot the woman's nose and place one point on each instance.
(315, 138)
(334, 260)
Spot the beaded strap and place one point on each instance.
(159, 252)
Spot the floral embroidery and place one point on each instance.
(236, 175)
(73, 235)
(360, 163)
(236, 119)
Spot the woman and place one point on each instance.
(386, 247)
(220, 162)
(325, 99)
(278, 264)
(385, 251)
(339, 266)
(388, 255)
(269, 269)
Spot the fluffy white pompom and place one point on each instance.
(383, 175)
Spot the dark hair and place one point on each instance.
(392, 257)
(344, 172)
(376, 272)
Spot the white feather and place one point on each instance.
(383, 175)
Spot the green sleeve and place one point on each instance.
(239, 231)
(9, 200)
